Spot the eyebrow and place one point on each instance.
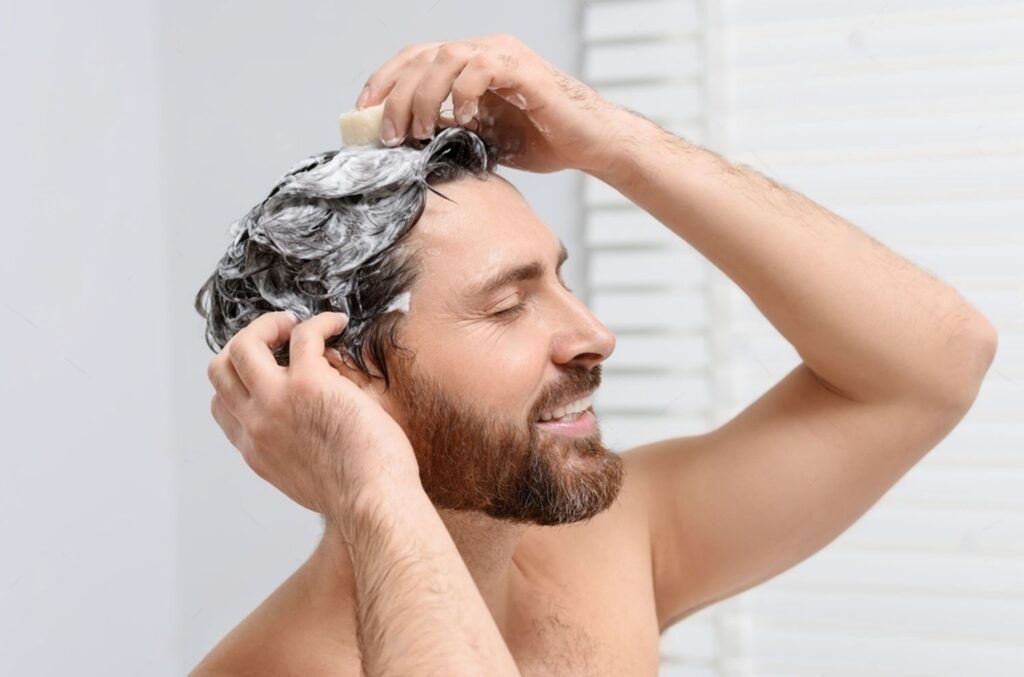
(520, 273)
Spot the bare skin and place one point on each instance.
(576, 600)
(695, 520)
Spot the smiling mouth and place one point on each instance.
(568, 412)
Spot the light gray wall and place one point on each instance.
(133, 537)
(247, 89)
(87, 550)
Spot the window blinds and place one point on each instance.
(906, 118)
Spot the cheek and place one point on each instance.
(505, 373)
(521, 361)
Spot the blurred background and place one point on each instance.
(133, 537)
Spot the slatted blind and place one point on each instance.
(906, 118)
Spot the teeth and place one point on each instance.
(576, 407)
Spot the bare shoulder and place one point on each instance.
(239, 655)
(282, 636)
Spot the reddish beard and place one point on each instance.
(478, 461)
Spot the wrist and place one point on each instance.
(626, 135)
(636, 144)
(374, 501)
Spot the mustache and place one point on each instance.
(577, 382)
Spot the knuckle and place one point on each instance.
(302, 387)
(299, 332)
(257, 432)
(420, 97)
(507, 60)
(255, 461)
(234, 350)
(241, 361)
(480, 59)
(377, 80)
(447, 52)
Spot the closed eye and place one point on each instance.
(519, 307)
(513, 311)
(508, 312)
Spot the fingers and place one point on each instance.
(250, 351)
(379, 84)
(221, 373)
(436, 83)
(398, 106)
(227, 421)
(467, 89)
(415, 83)
(309, 339)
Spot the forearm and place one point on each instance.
(869, 323)
(418, 610)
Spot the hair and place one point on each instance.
(329, 237)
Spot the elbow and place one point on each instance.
(977, 346)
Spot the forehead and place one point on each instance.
(488, 226)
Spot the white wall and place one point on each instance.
(86, 538)
(249, 88)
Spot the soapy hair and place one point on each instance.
(329, 237)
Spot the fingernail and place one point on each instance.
(387, 133)
(420, 132)
(466, 112)
(363, 96)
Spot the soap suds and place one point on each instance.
(328, 235)
(400, 303)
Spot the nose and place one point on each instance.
(583, 340)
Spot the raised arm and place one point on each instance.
(892, 360)
(892, 357)
(868, 323)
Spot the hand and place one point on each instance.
(307, 428)
(540, 119)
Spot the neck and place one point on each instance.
(487, 547)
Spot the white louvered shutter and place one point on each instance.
(906, 118)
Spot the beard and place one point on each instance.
(476, 460)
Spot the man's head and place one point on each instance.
(491, 342)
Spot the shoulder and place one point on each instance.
(281, 637)
(272, 659)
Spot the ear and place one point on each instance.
(347, 368)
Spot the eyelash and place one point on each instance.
(508, 312)
(518, 308)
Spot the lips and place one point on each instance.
(583, 424)
(570, 410)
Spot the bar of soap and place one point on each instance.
(361, 126)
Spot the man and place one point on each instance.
(475, 523)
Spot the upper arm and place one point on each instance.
(738, 505)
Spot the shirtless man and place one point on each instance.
(575, 559)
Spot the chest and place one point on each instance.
(567, 646)
(584, 621)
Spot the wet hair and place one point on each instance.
(329, 237)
